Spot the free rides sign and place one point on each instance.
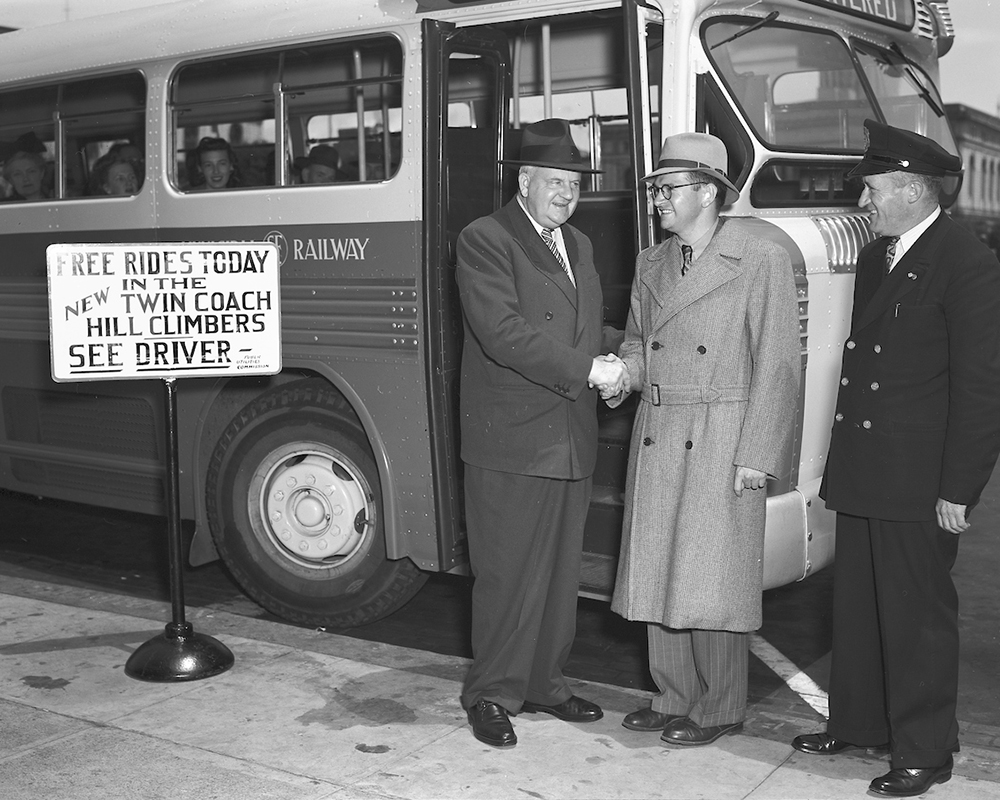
(122, 311)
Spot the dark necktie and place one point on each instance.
(686, 252)
(550, 241)
(890, 253)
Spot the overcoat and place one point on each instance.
(530, 341)
(918, 412)
(719, 351)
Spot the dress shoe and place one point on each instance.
(685, 733)
(911, 782)
(645, 719)
(491, 725)
(576, 709)
(823, 744)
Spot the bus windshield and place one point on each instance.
(807, 90)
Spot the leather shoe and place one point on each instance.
(823, 744)
(911, 782)
(685, 733)
(576, 709)
(645, 719)
(491, 725)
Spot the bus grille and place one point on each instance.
(844, 235)
(117, 426)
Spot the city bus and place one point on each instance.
(333, 489)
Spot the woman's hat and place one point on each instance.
(548, 143)
(695, 152)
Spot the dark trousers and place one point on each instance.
(894, 670)
(525, 548)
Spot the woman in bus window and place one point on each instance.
(26, 173)
(116, 175)
(216, 161)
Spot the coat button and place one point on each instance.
(548, 315)
(844, 381)
(656, 345)
(874, 386)
(866, 424)
(688, 444)
(850, 345)
(877, 348)
(701, 349)
(839, 417)
(647, 441)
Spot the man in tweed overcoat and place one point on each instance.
(712, 343)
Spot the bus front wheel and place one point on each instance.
(295, 509)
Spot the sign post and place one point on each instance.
(138, 311)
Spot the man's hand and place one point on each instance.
(608, 374)
(748, 478)
(951, 516)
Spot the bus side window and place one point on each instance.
(92, 116)
(342, 120)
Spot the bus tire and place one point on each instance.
(295, 509)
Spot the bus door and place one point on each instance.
(465, 97)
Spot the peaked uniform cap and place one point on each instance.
(890, 149)
(548, 143)
(696, 152)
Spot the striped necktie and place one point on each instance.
(686, 252)
(550, 242)
(890, 253)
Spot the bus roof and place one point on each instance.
(185, 27)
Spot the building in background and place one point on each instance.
(978, 137)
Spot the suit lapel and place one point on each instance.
(716, 266)
(538, 252)
(909, 274)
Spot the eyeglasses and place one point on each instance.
(665, 191)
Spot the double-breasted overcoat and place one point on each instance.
(716, 355)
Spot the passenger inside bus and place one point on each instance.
(216, 165)
(131, 153)
(322, 165)
(115, 175)
(25, 168)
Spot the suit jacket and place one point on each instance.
(918, 413)
(530, 340)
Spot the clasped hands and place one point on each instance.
(608, 375)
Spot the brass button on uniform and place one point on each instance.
(548, 315)
(850, 345)
(866, 424)
(844, 381)
(877, 348)
(839, 417)
(874, 386)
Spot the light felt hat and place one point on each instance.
(695, 152)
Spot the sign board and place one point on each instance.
(200, 309)
(897, 13)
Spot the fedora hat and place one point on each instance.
(548, 143)
(695, 152)
(889, 149)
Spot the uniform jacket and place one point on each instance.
(918, 412)
(530, 341)
(722, 346)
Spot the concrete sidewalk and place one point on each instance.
(309, 715)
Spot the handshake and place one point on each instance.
(608, 375)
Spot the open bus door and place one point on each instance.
(466, 79)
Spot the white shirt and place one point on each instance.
(908, 239)
(557, 236)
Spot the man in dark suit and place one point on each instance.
(532, 303)
(915, 439)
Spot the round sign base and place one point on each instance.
(179, 654)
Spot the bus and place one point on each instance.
(333, 489)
